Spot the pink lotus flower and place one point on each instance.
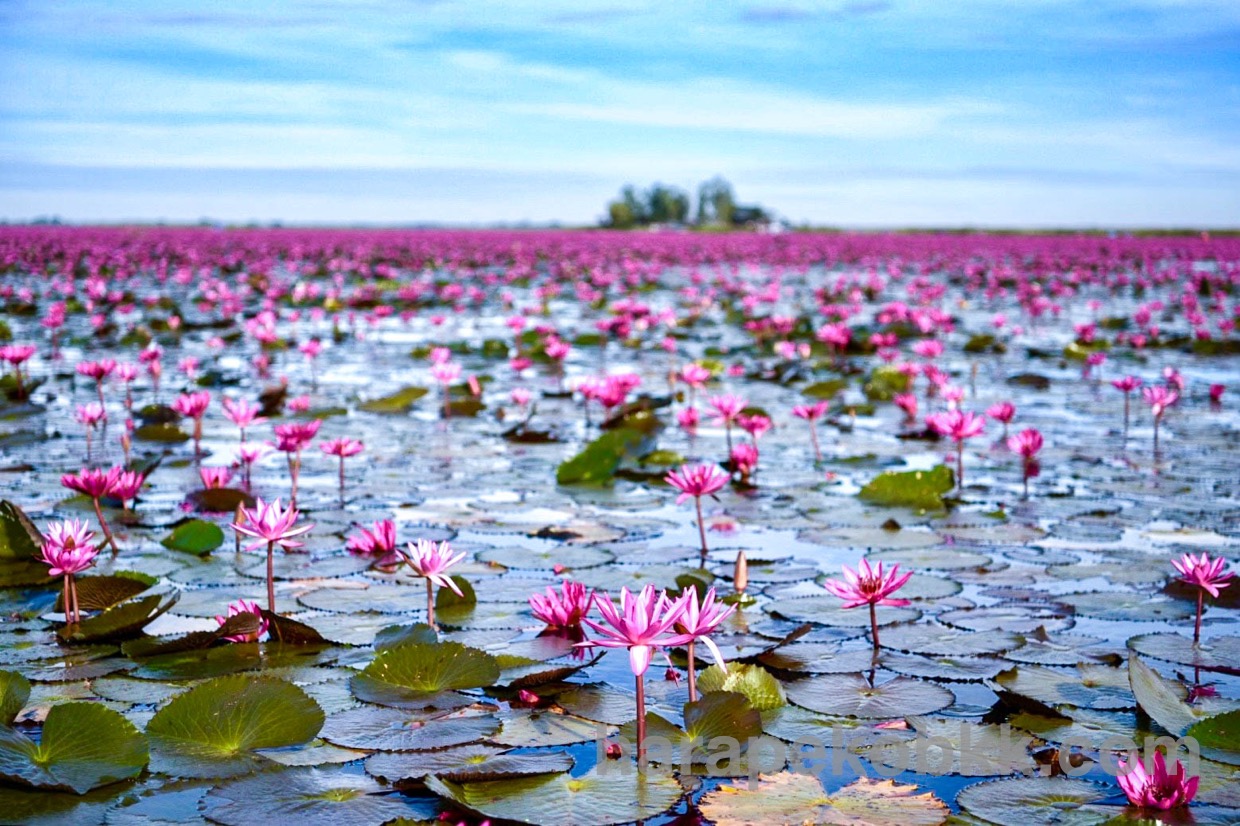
(96, 484)
(812, 413)
(745, 461)
(958, 425)
(379, 540)
(564, 610)
(869, 586)
(1160, 399)
(1027, 443)
(1126, 385)
(341, 448)
(694, 375)
(754, 425)
(520, 396)
(68, 548)
(243, 414)
(908, 403)
(215, 477)
(128, 484)
(298, 404)
(1156, 789)
(270, 525)
(430, 560)
(699, 620)
(245, 606)
(688, 418)
(67, 551)
(1216, 393)
(292, 438)
(1003, 412)
(726, 408)
(194, 406)
(642, 624)
(928, 348)
(1207, 575)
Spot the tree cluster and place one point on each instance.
(661, 204)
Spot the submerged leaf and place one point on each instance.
(82, 746)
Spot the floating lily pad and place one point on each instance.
(394, 729)
(1080, 726)
(598, 461)
(850, 695)
(1220, 732)
(213, 730)
(753, 682)
(308, 797)
(799, 798)
(1161, 699)
(82, 746)
(410, 676)
(401, 401)
(951, 669)
(1215, 653)
(599, 797)
(1026, 800)
(465, 763)
(19, 538)
(196, 536)
(1127, 606)
(14, 692)
(533, 728)
(918, 489)
(165, 433)
(951, 642)
(222, 660)
(1096, 687)
(546, 558)
(938, 559)
(958, 747)
(220, 500)
(122, 620)
(95, 593)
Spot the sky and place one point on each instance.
(850, 113)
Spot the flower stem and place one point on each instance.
(813, 435)
(1197, 628)
(430, 605)
(1125, 418)
(107, 532)
(874, 628)
(960, 466)
(342, 481)
(697, 501)
(73, 597)
(641, 721)
(692, 675)
(67, 602)
(271, 577)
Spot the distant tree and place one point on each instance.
(716, 202)
(667, 205)
(620, 215)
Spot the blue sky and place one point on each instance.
(861, 113)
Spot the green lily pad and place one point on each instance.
(399, 402)
(1094, 686)
(21, 573)
(44, 807)
(410, 676)
(789, 797)
(14, 692)
(936, 639)
(465, 763)
(197, 536)
(951, 669)
(82, 746)
(219, 500)
(1080, 726)
(213, 729)
(96, 593)
(919, 489)
(959, 747)
(602, 796)
(850, 695)
(537, 727)
(308, 797)
(396, 635)
(19, 538)
(753, 682)
(719, 714)
(1161, 699)
(394, 729)
(123, 619)
(1216, 653)
(570, 556)
(597, 462)
(1127, 606)
(825, 389)
(1026, 800)
(884, 383)
(222, 660)
(1222, 732)
(164, 433)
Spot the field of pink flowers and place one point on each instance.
(373, 527)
